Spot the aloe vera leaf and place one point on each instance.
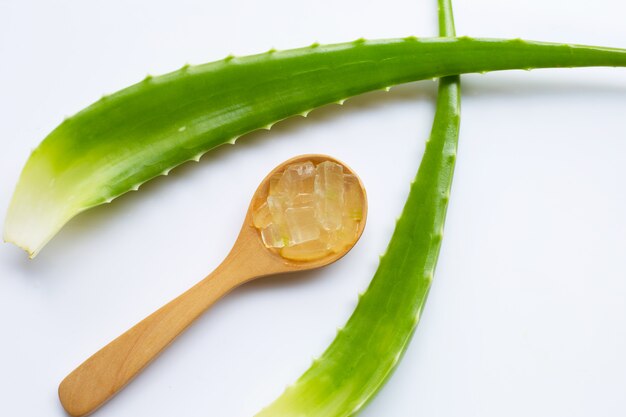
(143, 131)
(366, 351)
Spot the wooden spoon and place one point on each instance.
(112, 367)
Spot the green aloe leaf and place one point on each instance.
(367, 350)
(143, 131)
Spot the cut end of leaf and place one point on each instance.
(30, 252)
(37, 211)
(29, 227)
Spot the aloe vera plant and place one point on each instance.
(366, 351)
(143, 131)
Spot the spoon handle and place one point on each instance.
(112, 367)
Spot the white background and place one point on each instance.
(526, 314)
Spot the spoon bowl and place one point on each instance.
(106, 372)
(259, 198)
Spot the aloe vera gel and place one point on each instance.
(310, 211)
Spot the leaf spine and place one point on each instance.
(358, 407)
(397, 358)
